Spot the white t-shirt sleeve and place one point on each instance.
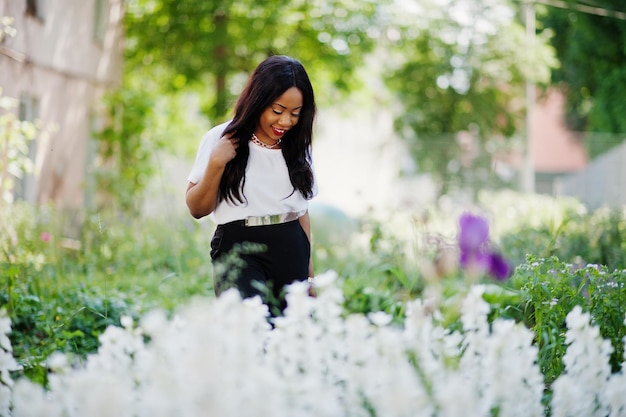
(209, 139)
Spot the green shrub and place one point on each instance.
(69, 323)
(64, 277)
(595, 238)
(548, 289)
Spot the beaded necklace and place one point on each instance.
(256, 140)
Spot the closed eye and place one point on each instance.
(280, 112)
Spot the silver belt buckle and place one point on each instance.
(270, 219)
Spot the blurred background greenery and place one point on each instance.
(458, 79)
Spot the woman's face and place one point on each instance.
(280, 116)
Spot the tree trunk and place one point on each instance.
(220, 54)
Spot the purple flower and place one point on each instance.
(474, 232)
(474, 259)
(499, 267)
(475, 254)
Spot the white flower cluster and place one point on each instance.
(222, 358)
(587, 388)
(7, 364)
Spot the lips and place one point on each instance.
(278, 132)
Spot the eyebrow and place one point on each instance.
(278, 104)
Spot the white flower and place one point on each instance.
(581, 389)
(58, 362)
(615, 395)
(153, 321)
(576, 319)
(29, 400)
(380, 318)
(7, 365)
(325, 279)
(475, 309)
(5, 400)
(5, 330)
(127, 322)
(221, 357)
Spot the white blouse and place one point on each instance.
(267, 187)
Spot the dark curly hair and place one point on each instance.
(270, 80)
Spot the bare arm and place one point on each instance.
(201, 198)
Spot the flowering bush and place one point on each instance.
(222, 358)
(587, 388)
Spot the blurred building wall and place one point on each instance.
(556, 150)
(562, 166)
(602, 183)
(63, 58)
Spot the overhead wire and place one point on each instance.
(584, 8)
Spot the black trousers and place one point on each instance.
(260, 260)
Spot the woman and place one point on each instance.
(254, 176)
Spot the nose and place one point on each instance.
(285, 120)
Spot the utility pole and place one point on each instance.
(527, 177)
(528, 170)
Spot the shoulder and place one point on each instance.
(216, 132)
(210, 138)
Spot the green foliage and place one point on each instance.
(187, 43)
(125, 150)
(184, 58)
(375, 271)
(68, 322)
(51, 305)
(598, 143)
(593, 71)
(460, 70)
(15, 136)
(550, 289)
(61, 292)
(596, 238)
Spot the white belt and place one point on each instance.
(271, 219)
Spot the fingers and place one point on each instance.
(234, 144)
(234, 141)
(225, 150)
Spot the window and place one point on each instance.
(36, 8)
(101, 20)
(25, 186)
